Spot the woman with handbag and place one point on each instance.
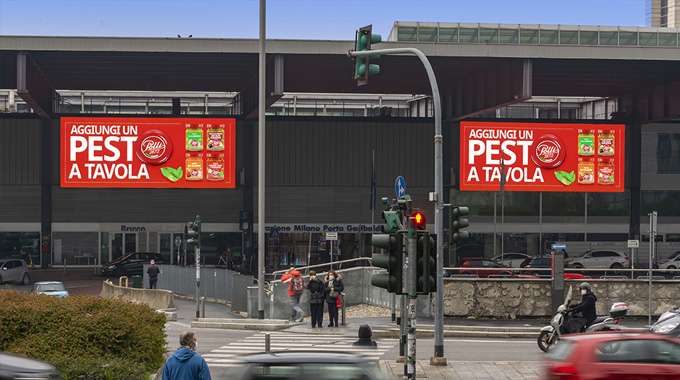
(334, 287)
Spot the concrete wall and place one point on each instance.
(510, 298)
(157, 299)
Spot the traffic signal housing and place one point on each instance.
(392, 259)
(362, 66)
(419, 220)
(427, 265)
(458, 223)
(193, 232)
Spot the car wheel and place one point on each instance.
(26, 280)
(671, 267)
(616, 266)
(577, 265)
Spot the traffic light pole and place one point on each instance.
(438, 358)
(197, 255)
(412, 298)
(261, 162)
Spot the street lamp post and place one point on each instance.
(261, 163)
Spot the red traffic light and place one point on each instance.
(419, 220)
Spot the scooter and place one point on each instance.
(560, 324)
(668, 323)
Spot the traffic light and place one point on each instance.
(419, 221)
(392, 260)
(362, 67)
(427, 265)
(193, 232)
(458, 223)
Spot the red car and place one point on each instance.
(484, 268)
(614, 356)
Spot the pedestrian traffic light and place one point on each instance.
(427, 265)
(193, 231)
(392, 260)
(392, 222)
(458, 223)
(362, 67)
(419, 221)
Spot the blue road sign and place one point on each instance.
(559, 246)
(400, 187)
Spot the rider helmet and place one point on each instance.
(585, 285)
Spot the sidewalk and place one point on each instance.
(469, 370)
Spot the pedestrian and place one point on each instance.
(186, 363)
(317, 295)
(153, 273)
(296, 286)
(334, 287)
(365, 337)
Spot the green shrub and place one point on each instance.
(84, 337)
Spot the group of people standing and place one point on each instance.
(321, 291)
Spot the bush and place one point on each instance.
(84, 337)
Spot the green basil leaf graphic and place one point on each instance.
(564, 177)
(171, 174)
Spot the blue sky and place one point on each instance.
(307, 19)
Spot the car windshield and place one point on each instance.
(49, 287)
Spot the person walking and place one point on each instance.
(334, 287)
(317, 295)
(153, 273)
(186, 363)
(296, 286)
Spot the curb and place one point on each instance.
(394, 333)
(243, 324)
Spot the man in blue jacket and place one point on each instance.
(186, 363)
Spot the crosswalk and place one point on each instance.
(229, 355)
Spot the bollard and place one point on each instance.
(202, 307)
(342, 299)
(121, 280)
(267, 342)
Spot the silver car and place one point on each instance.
(14, 270)
(600, 259)
(50, 288)
(672, 263)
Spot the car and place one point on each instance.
(512, 260)
(18, 367)
(614, 356)
(603, 259)
(50, 288)
(308, 365)
(130, 265)
(484, 268)
(14, 270)
(672, 263)
(542, 266)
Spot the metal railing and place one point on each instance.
(546, 273)
(338, 265)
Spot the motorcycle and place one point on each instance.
(563, 323)
(668, 323)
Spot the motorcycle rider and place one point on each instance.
(587, 307)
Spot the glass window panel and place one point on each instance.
(489, 36)
(666, 202)
(627, 38)
(563, 207)
(668, 39)
(608, 204)
(519, 206)
(427, 34)
(407, 33)
(468, 35)
(509, 36)
(77, 248)
(588, 38)
(480, 202)
(21, 245)
(529, 36)
(569, 37)
(225, 245)
(648, 39)
(609, 38)
(448, 34)
(548, 36)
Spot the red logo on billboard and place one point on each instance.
(548, 152)
(154, 147)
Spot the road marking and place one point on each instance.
(179, 324)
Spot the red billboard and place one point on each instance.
(538, 156)
(148, 152)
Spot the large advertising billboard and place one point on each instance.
(541, 156)
(148, 152)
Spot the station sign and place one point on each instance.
(541, 156)
(109, 152)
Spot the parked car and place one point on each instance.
(484, 268)
(291, 365)
(18, 367)
(14, 270)
(512, 260)
(605, 259)
(130, 265)
(614, 356)
(542, 266)
(672, 263)
(50, 288)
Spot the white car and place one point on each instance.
(600, 259)
(14, 270)
(511, 260)
(50, 288)
(672, 263)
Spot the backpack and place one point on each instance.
(298, 284)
